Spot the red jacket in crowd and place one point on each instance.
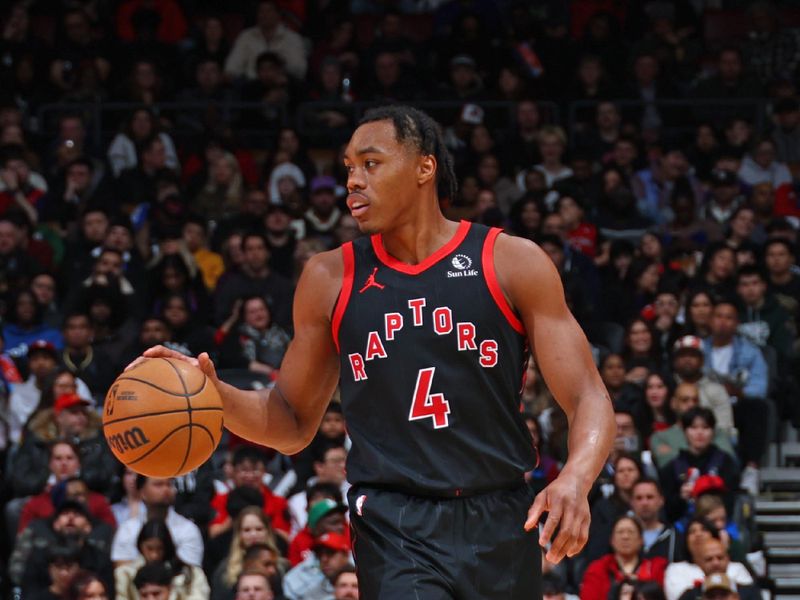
(275, 507)
(604, 572)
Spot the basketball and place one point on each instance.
(163, 418)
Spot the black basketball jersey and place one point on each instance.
(432, 359)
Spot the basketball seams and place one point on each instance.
(173, 411)
(188, 411)
(169, 435)
(162, 390)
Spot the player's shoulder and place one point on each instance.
(511, 248)
(328, 265)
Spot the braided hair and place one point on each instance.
(417, 128)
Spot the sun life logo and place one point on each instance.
(461, 262)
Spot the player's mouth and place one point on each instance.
(358, 204)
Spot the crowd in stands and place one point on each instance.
(167, 167)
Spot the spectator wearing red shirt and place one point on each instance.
(581, 235)
(625, 562)
(42, 506)
(326, 515)
(249, 467)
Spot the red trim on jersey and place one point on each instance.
(391, 262)
(344, 295)
(487, 257)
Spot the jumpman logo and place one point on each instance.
(371, 282)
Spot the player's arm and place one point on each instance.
(533, 287)
(287, 416)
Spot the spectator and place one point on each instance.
(786, 136)
(158, 496)
(312, 579)
(640, 351)
(44, 288)
(730, 81)
(26, 396)
(655, 414)
(763, 321)
(624, 562)
(326, 514)
(666, 444)
(255, 279)
(195, 236)
(69, 418)
(345, 584)
(258, 344)
(21, 188)
(282, 239)
(130, 504)
(772, 52)
(251, 527)
(87, 586)
(624, 394)
(739, 366)
(62, 566)
(222, 193)
(779, 257)
(155, 545)
(329, 467)
(141, 126)
(268, 34)
(153, 582)
(186, 324)
(711, 506)
(70, 524)
(761, 166)
(658, 538)
(687, 365)
(717, 272)
(680, 576)
(607, 510)
(699, 307)
(78, 356)
(253, 585)
(698, 468)
(715, 562)
(322, 215)
(67, 484)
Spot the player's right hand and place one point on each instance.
(203, 361)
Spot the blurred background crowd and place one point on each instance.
(168, 166)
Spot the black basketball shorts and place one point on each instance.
(426, 548)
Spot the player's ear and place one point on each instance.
(426, 169)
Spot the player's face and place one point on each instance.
(346, 587)
(382, 177)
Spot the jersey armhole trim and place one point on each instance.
(344, 295)
(487, 258)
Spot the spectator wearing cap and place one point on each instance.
(464, 83)
(249, 468)
(700, 467)
(312, 578)
(725, 197)
(740, 367)
(281, 239)
(158, 496)
(323, 214)
(786, 134)
(325, 515)
(687, 366)
(268, 34)
(760, 165)
(71, 521)
(25, 397)
(666, 444)
(70, 418)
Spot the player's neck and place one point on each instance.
(417, 238)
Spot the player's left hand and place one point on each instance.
(568, 510)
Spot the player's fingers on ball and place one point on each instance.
(157, 351)
(535, 511)
(135, 363)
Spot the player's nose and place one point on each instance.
(355, 180)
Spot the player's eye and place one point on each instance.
(370, 163)
(349, 168)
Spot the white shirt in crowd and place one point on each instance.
(185, 534)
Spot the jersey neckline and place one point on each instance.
(398, 265)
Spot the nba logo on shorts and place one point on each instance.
(360, 504)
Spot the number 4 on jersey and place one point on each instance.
(425, 404)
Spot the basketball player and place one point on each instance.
(425, 323)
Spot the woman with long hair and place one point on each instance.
(140, 125)
(222, 193)
(155, 544)
(526, 216)
(655, 414)
(640, 350)
(250, 527)
(697, 313)
(86, 586)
